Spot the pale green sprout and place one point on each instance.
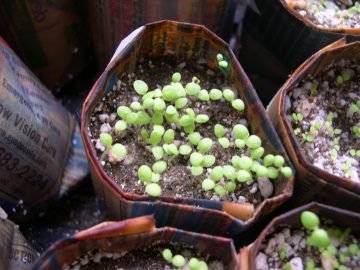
(196, 159)
(181, 103)
(171, 110)
(156, 134)
(238, 104)
(219, 130)
(190, 128)
(220, 190)
(253, 142)
(178, 261)
(235, 161)
(190, 112)
(207, 184)
(257, 153)
(118, 150)
(240, 131)
(131, 118)
(262, 171)
(159, 104)
(215, 94)
(286, 171)
(192, 88)
(167, 255)
(197, 170)
(158, 152)
(243, 176)
(224, 142)
(148, 103)
(180, 90)
(195, 264)
(169, 136)
(122, 111)
(272, 172)
(309, 220)
(144, 134)
(219, 57)
(339, 80)
(229, 172)
(186, 120)
(223, 64)
(204, 145)
(157, 93)
(120, 125)
(208, 161)
(194, 138)
(169, 93)
(176, 77)
(144, 173)
(142, 118)
(171, 149)
(279, 161)
(201, 118)
(153, 189)
(229, 95)
(185, 150)
(136, 106)
(255, 166)
(245, 162)
(140, 87)
(155, 177)
(157, 118)
(217, 173)
(230, 186)
(269, 160)
(150, 94)
(239, 143)
(204, 95)
(106, 140)
(159, 166)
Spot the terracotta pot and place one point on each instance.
(314, 183)
(341, 217)
(133, 234)
(226, 218)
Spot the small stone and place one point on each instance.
(265, 186)
(261, 262)
(296, 264)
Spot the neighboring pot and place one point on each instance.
(127, 235)
(341, 217)
(226, 218)
(276, 40)
(314, 183)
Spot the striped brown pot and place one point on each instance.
(127, 235)
(314, 183)
(276, 40)
(226, 218)
(341, 217)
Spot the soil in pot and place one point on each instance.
(292, 248)
(196, 144)
(325, 113)
(330, 13)
(152, 257)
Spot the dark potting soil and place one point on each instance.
(288, 245)
(177, 179)
(330, 113)
(140, 259)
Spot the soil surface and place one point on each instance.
(288, 245)
(177, 180)
(330, 13)
(329, 113)
(146, 259)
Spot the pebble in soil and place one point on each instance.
(325, 114)
(330, 13)
(180, 179)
